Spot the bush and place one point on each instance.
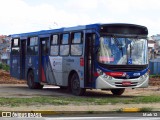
(1, 66)
(5, 67)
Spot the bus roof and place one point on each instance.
(65, 29)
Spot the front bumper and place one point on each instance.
(111, 82)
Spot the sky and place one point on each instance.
(19, 16)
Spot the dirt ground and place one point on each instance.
(5, 78)
(10, 87)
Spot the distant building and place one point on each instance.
(151, 43)
(151, 48)
(156, 37)
(154, 46)
(4, 49)
(157, 41)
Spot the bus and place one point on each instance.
(96, 56)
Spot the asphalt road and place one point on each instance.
(22, 90)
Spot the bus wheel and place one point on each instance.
(39, 86)
(75, 85)
(30, 81)
(118, 91)
(63, 87)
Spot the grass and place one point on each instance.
(146, 109)
(154, 76)
(148, 99)
(76, 100)
(31, 101)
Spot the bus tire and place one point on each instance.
(63, 87)
(119, 91)
(39, 86)
(75, 85)
(30, 81)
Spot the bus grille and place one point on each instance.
(127, 78)
(119, 84)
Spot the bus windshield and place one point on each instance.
(122, 51)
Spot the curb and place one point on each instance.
(130, 109)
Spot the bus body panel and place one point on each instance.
(48, 71)
(32, 64)
(15, 66)
(62, 66)
(56, 67)
(73, 64)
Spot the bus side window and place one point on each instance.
(15, 46)
(77, 45)
(32, 46)
(64, 44)
(54, 45)
(45, 46)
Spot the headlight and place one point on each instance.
(99, 72)
(144, 76)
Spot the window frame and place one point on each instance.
(81, 42)
(52, 39)
(81, 39)
(61, 44)
(58, 40)
(34, 46)
(15, 46)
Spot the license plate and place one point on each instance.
(126, 83)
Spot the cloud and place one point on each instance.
(19, 16)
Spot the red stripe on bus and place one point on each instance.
(96, 74)
(43, 75)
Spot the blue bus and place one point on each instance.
(95, 56)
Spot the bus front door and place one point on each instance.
(89, 56)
